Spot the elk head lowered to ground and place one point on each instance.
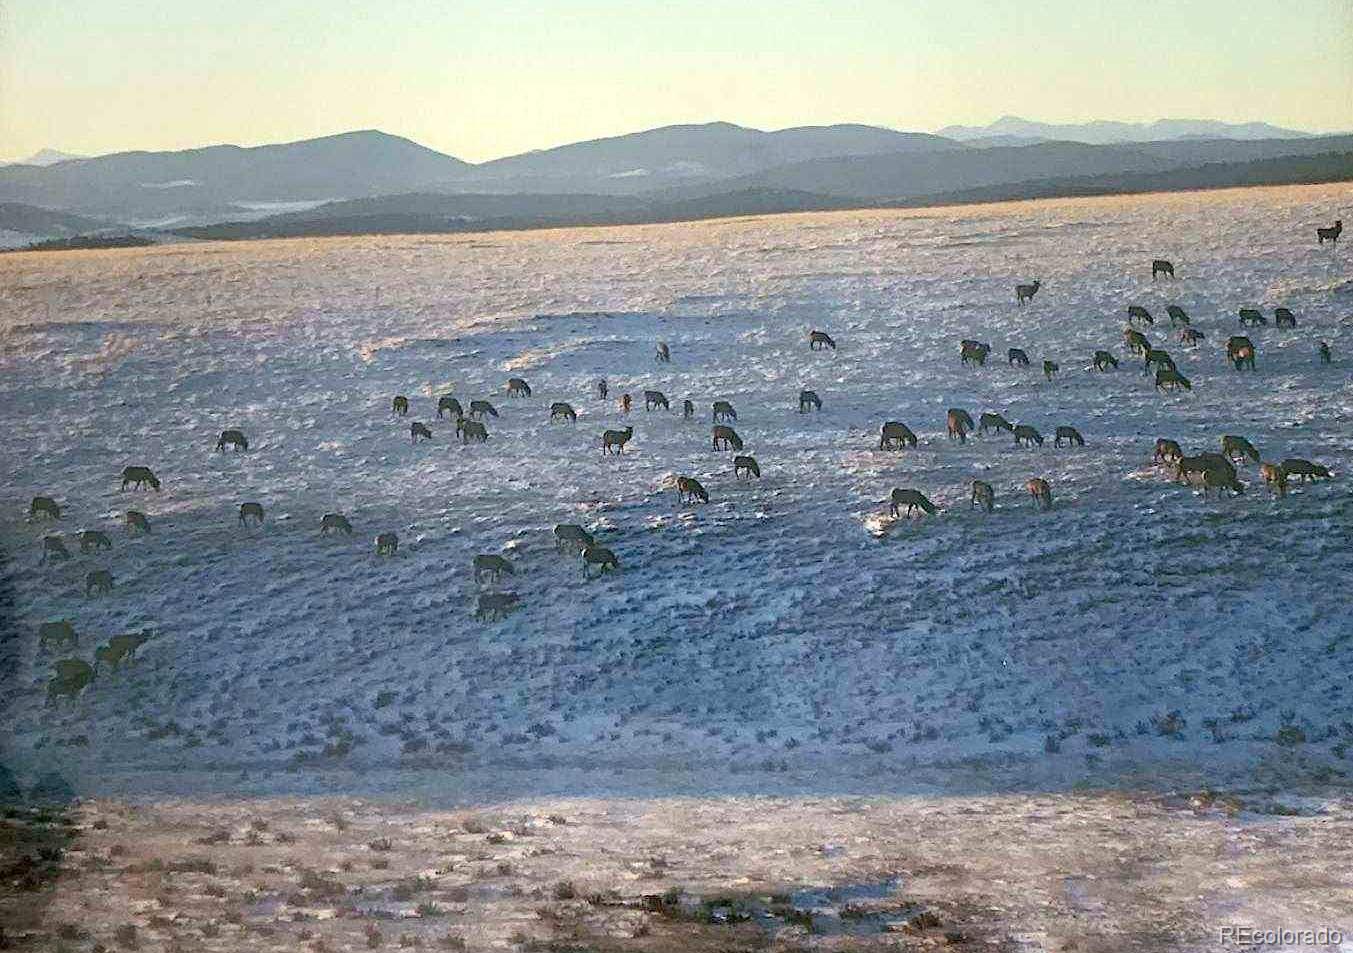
(400, 405)
(1253, 316)
(571, 536)
(1191, 336)
(1137, 342)
(1305, 469)
(601, 557)
(491, 565)
(974, 352)
(232, 438)
(1238, 448)
(1177, 315)
(1172, 379)
(1016, 355)
(1275, 477)
(726, 438)
(983, 495)
(1104, 360)
(45, 507)
(93, 539)
(334, 523)
(478, 408)
(417, 430)
(689, 489)
(471, 430)
(251, 511)
(1284, 318)
(560, 410)
(655, 398)
(448, 404)
(1137, 313)
(139, 477)
(912, 500)
(495, 605)
(817, 340)
(958, 423)
(808, 400)
(1071, 435)
(1027, 435)
(1159, 266)
(1240, 351)
(1167, 451)
(1041, 492)
(387, 544)
(516, 387)
(993, 421)
(895, 436)
(723, 410)
(746, 465)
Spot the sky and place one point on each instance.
(480, 80)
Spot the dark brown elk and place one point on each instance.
(72, 675)
(417, 430)
(561, 410)
(1219, 480)
(1166, 378)
(472, 430)
(687, 409)
(516, 387)
(491, 566)
(99, 581)
(400, 405)
(723, 410)
(1071, 435)
(913, 500)
(617, 439)
(448, 404)
(251, 511)
(119, 649)
(1191, 336)
(1240, 351)
(1041, 492)
(1275, 477)
(1024, 434)
(1324, 351)
(334, 523)
(958, 423)
(54, 547)
(808, 400)
(1137, 313)
(1284, 318)
(45, 507)
(1104, 360)
(689, 489)
(1017, 356)
(1050, 368)
(746, 465)
(92, 539)
(571, 536)
(626, 401)
(137, 523)
(601, 557)
(895, 436)
(655, 398)
(602, 388)
(1137, 342)
(726, 436)
(991, 421)
(478, 408)
(817, 340)
(232, 438)
(387, 544)
(974, 352)
(493, 606)
(1330, 234)
(1025, 293)
(1167, 451)
(1201, 463)
(1157, 358)
(983, 495)
(1253, 317)
(1177, 315)
(663, 354)
(1159, 266)
(57, 633)
(1238, 448)
(139, 477)
(1305, 469)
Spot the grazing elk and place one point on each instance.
(1167, 450)
(974, 352)
(1191, 336)
(895, 436)
(493, 606)
(1238, 448)
(1167, 378)
(1159, 266)
(626, 402)
(726, 436)
(139, 477)
(723, 410)
(1071, 435)
(448, 404)
(983, 495)
(60, 632)
(99, 581)
(1275, 477)
(417, 430)
(1324, 351)
(1253, 317)
(1330, 234)
(571, 536)
(1137, 342)
(617, 439)
(817, 340)
(53, 547)
(599, 556)
(1240, 351)
(1041, 492)
(1217, 479)
(690, 490)
(687, 409)
(400, 405)
(912, 500)
(1104, 360)
(1200, 464)
(655, 398)
(119, 649)
(602, 388)
(478, 408)
(808, 400)
(251, 511)
(1177, 315)
(232, 438)
(1025, 293)
(1284, 318)
(561, 410)
(663, 354)
(1305, 469)
(1050, 368)
(72, 676)
(471, 430)
(92, 539)
(45, 507)
(1157, 358)
(516, 387)
(746, 465)
(1137, 313)
(334, 523)
(993, 421)
(1017, 356)
(491, 566)
(1027, 435)
(387, 544)
(958, 423)
(137, 523)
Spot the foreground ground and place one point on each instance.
(1084, 872)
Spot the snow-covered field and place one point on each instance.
(789, 634)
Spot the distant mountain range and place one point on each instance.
(1012, 130)
(372, 181)
(44, 157)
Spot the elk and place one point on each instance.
(617, 439)
(1324, 352)
(334, 523)
(974, 352)
(817, 340)
(478, 408)
(1025, 293)
(1167, 451)
(417, 430)
(1240, 351)
(1200, 464)
(655, 398)
(1016, 356)
(723, 410)
(912, 500)
(491, 565)
(746, 465)
(233, 438)
(1253, 317)
(139, 477)
(561, 410)
(1137, 342)
(57, 633)
(1191, 336)
(99, 581)
(1157, 358)
(1238, 448)
(387, 544)
(1137, 313)
(1331, 234)
(958, 423)
(1159, 266)
(895, 436)
(1275, 477)
(1050, 368)
(251, 511)
(625, 403)
(45, 507)
(1104, 360)
(516, 387)
(471, 430)
(663, 354)
(690, 490)
(400, 405)
(92, 539)
(1071, 435)
(1171, 379)
(1216, 479)
(119, 649)
(571, 536)
(495, 605)
(1177, 315)
(1284, 318)
(726, 436)
(983, 495)
(602, 388)
(600, 556)
(809, 400)
(72, 675)
(1027, 435)
(53, 547)
(137, 523)
(687, 409)
(1041, 492)
(992, 421)
(448, 404)
(1305, 469)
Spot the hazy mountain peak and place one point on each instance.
(1106, 131)
(46, 157)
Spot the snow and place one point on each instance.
(788, 633)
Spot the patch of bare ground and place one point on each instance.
(1083, 872)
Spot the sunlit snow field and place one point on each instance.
(789, 634)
